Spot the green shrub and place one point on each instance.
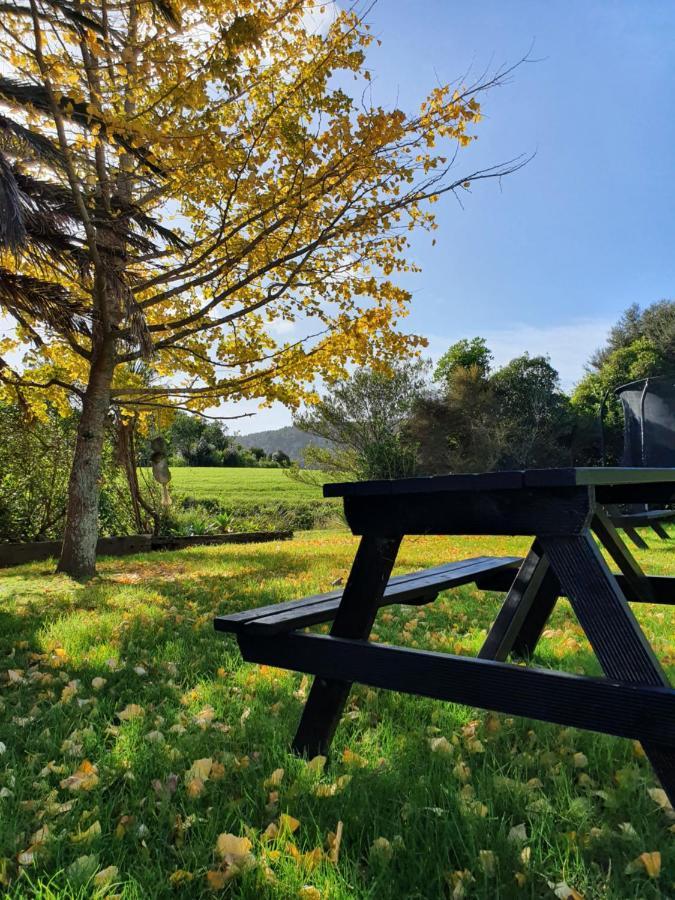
(188, 516)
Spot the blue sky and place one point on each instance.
(547, 260)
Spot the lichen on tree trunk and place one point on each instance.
(78, 553)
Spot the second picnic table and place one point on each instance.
(562, 509)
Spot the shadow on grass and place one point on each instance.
(443, 812)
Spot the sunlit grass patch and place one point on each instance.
(141, 757)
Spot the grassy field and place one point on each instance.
(236, 485)
(139, 756)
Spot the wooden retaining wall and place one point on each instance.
(17, 554)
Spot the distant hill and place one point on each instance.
(289, 439)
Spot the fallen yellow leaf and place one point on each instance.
(217, 771)
(70, 690)
(105, 876)
(334, 840)
(660, 797)
(200, 768)
(195, 787)
(235, 853)
(309, 893)
(216, 879)
(84, 837)
(381, 849)
(180, 876)
(229, 845)
(488, 861)
(647, 862)
(317, 764)
(329, 790)
(518, 833)
(462, 771)
(354, 759)
(271, 832)
(131, 711)
(288, 823)
(440, 745)
(312, 858)
(275, 779)
(205, 716)
(84, 779)
(563, 891)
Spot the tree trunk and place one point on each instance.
(78, 553)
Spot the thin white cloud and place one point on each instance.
(569, 347)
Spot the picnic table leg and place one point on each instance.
(615, 635)
(660, 531)
(525, 611)
(636, 538)
(354, 619)
(609, 537)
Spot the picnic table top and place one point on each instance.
(500, 481)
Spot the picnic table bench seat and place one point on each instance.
(414, 588)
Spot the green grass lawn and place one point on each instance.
(138, 753)
(237, 485)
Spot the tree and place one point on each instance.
(533, 413)
(465, 353)
(35, 458)
(458, 429)
(481, 420)
(282, 459)
(170, 190)
(640, 345)
(365, 417)
(655, 325)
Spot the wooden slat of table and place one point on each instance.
(247, 615)
(425, 587)
(510, 480)
(662, 587)
(598, 476)
(398, 586)
(595, 704)
(525, 512)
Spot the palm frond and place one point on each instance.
(77, 17)
(12, 226)
(166, 10)
(147, 223)
(25, 94)
(43, 300)
(48, 243)
(75, 20)
(47, 195)
(42, 146)
(30, 226)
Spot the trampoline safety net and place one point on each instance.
(649, 422)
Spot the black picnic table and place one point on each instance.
(562, 509)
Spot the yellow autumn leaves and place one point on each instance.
(201, 771)
(311, 181)
(235, 855)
